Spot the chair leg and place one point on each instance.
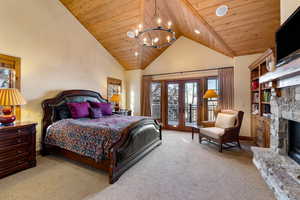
(200, 139)
(192, 133)
(239, 145)
(221, 147)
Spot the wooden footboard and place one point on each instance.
(142, 139)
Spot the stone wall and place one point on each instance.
(284, 108)
(280, 172)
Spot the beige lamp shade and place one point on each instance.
(11, 97)
(210, 94)
(115, 98)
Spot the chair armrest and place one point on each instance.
(208, 123)
(231, 132)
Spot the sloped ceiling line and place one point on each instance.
(248, 27)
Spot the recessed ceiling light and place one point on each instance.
(136, 53)
(222, 10)
(130, 34)
(197, 31)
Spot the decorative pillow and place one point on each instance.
(63, 112)
(106, 108)
(79, 110)
(225, 120)
(95, 113)
(95, 104)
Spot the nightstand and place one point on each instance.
(17, 147)
(124, 112)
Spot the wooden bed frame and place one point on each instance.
(142, 137)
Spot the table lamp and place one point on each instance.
(116, 99)
(9, 97)
(212, 94)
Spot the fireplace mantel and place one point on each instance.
(285, 75)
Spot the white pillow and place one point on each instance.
(225, 120)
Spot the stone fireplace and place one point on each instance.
(280, 171)
(294, 141)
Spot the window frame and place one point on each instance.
(161, 98)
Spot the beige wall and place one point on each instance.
(56, 52)
(287, 7)
(185, 55)
(242, 89)
(133, 83)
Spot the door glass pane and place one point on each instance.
(173, 104)
(212, 103)
(190, 107)
(155, 99)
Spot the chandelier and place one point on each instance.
(156, 37)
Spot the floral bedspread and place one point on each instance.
(89, 137)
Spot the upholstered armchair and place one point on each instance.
(224, 130)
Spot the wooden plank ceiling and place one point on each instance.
(248, 27)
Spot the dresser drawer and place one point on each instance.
(14, 168)
(17, 147)
(13, 161)
(14, 133)
(14, 150)
(23, 139)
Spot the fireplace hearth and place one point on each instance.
(294, 140)
(279, 165)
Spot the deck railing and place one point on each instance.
(173, 112)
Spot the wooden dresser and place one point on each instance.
(17, 147)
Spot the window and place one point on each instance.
(7, 79)
(155, 100)
(10, 76)
(212, 103)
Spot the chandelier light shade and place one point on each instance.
(156, 37)
(155, 42)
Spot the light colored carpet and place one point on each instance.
(179, 169)
(54, 178)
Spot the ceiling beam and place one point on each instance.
(209, 29)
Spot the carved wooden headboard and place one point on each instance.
(49, 105)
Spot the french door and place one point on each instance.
(182, 105)
(178, 104)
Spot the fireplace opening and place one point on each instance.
(294, 141)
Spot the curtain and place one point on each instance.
(226, 88)
(145, 96)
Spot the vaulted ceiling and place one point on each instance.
(248, 27)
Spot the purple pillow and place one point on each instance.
(106, 108)
(79, 110)
(95, 104)
(95, 113)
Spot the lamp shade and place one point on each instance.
(11, 97)
(210, 94)
(115, 98)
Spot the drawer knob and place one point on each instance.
(19, 151)
(19, 140)
(20, 162)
